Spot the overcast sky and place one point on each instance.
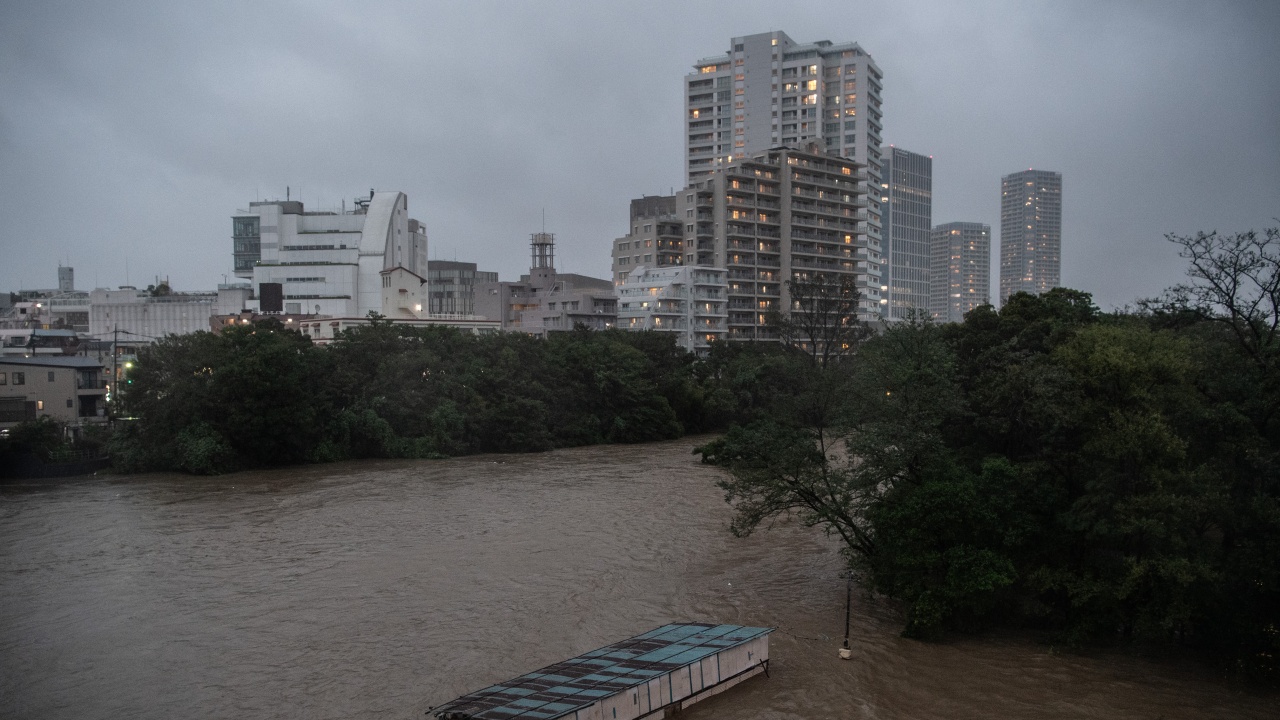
(130, 132)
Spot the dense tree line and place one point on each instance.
(261, 395)
(1100, 477)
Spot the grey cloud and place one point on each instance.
(134, 129)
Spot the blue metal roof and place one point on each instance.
(557, 690)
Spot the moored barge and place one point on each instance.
(646, 676)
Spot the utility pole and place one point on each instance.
(115, 369)
(845, 651)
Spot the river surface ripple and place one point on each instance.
(377, 589)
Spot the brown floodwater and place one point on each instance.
(377, 589)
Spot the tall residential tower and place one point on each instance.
(1030, 232)
(768, 91)
(960, 274)
(906, 204)
(775, 216)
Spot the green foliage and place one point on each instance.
(1105, 478)
(264, 395)
(41, 437)
(200, 450)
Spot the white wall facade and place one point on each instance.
(687, 301)
(331, 263)
(141, 317)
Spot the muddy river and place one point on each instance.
(377, 589)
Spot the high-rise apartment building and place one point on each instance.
(1030, 232)
(778, 215)
(906, 206)
(768, 91)
(960, 272)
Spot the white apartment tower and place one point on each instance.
(1030, 232)
(769, 90)
(906, 205)
(961, 269)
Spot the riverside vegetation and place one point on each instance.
(1099, 477)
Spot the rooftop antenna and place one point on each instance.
(286, 192)
(544, 219)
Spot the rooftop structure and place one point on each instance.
(655, 238)
(668, 668)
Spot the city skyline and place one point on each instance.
(128, 135)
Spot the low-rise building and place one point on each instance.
(70, 390)
(453, 287)
(688, 301)
(546, 301)
(129, 316)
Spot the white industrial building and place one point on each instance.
(328, 263)
(688, 301)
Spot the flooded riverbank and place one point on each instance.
(376, 589)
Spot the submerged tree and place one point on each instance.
(854, 426)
